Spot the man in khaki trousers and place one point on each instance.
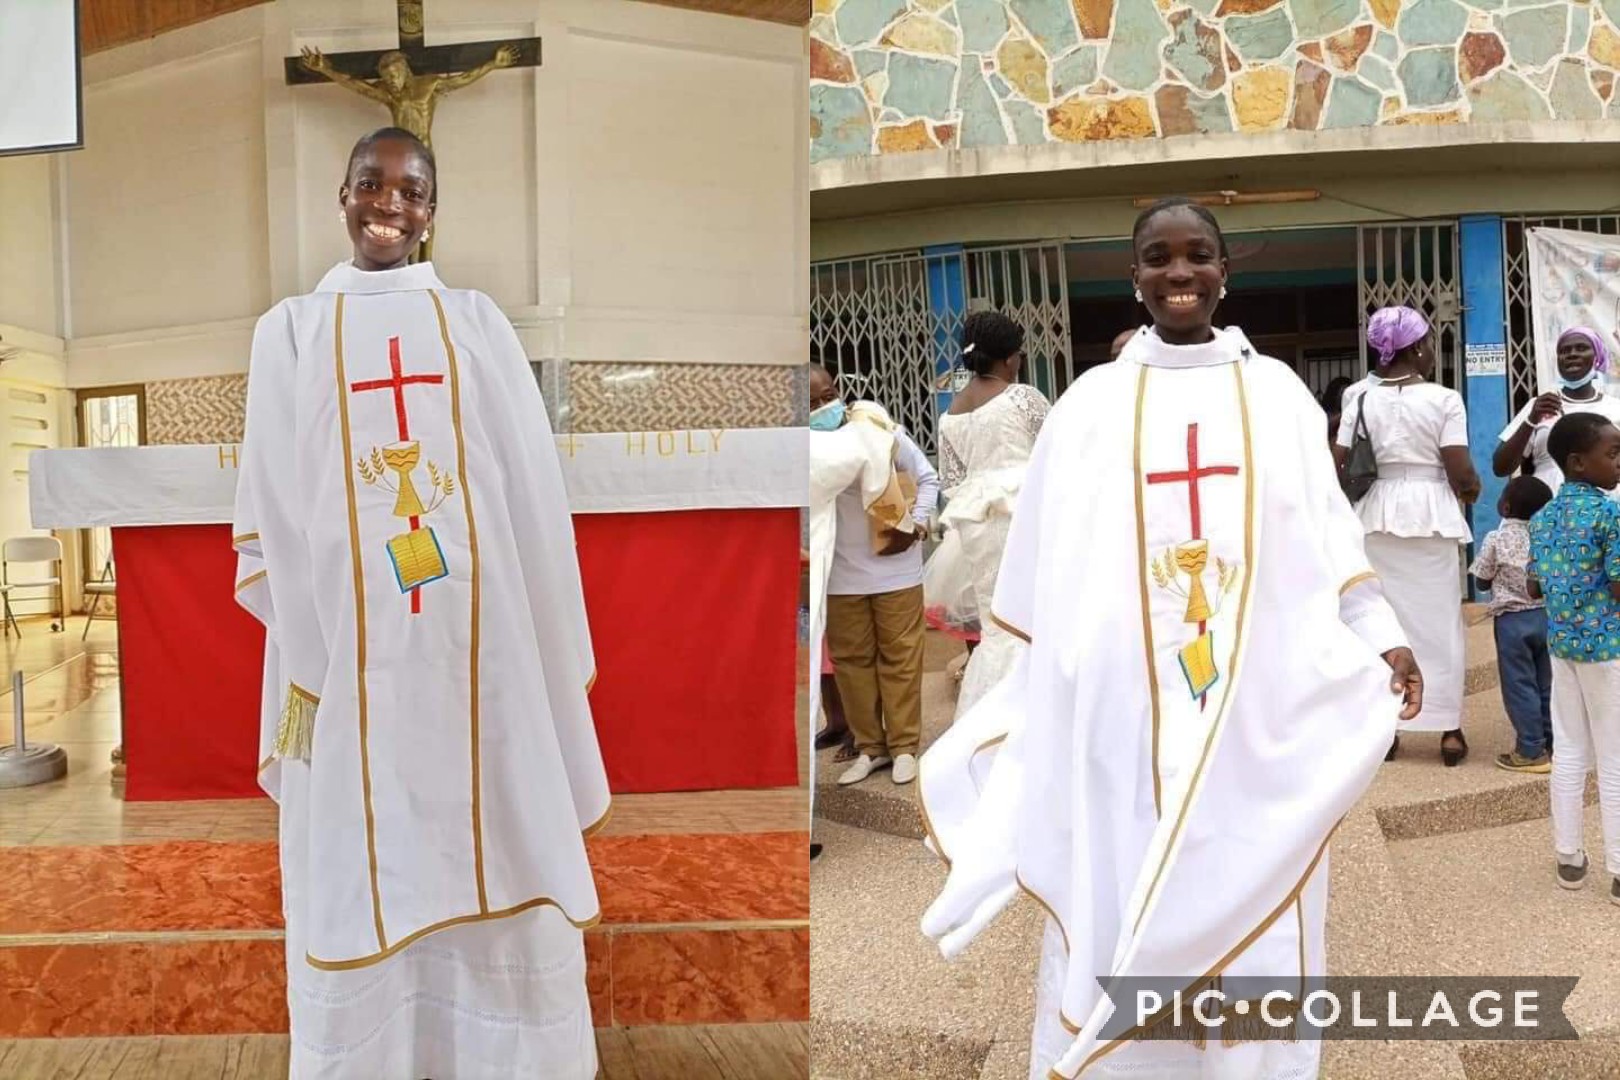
(875, 624)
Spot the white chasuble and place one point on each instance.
(403, 533)
(1202, 701)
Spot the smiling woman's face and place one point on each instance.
(387, 203)
(1180, 271)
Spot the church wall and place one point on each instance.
(636, 206)
(166, 201)
(914, 76)
(29, 275)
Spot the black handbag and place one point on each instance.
(1360, 465)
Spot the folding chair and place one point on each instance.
(95, 590)
(32, 549)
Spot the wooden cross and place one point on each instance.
(397, 382)
(411, 78)
(1190, 476)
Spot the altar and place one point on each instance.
(689, 554)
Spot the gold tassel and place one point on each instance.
(295, 735)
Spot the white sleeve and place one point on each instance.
(1363, 608)
(1454, 424)
(274, 574)
(1353, 398)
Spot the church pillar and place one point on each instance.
(1485, 355)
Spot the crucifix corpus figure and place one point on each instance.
(412, 78)
(410, 97)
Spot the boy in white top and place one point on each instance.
(1582, 358)
(1522, 660)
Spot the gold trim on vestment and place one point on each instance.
(1366, 575)
(1237, 647)
(362, 713)
(265, 764)
(250, 579)
(1010, 628)
(460, 920)
(477, 583)
(1220, 965)
(1299, 910)
(244, 538)
(590, 683)
(599, 824)
(1142, 577)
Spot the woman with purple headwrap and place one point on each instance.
(1413, 512)
(1582, 359)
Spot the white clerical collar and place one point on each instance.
(345, 277)
(1228, 346)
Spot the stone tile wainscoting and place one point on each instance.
(898, 75)
(580, 396)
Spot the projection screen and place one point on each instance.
(40, 88)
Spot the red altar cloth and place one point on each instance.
(693, 618)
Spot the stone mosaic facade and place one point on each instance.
(897, 75)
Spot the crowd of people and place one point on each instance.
(1269, 587)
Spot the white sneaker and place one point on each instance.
(864, 766)
(905, 768)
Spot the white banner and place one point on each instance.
(1574, 281)
(621, 472)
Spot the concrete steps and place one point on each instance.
(1437, 871)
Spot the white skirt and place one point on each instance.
(489, 1000)
(1422, 579)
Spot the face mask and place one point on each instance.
(830, 417)
(1578, 383)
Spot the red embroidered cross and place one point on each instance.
(397, 383)
(1190, 477)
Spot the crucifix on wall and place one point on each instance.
(412, 78)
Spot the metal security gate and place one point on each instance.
(891, 325)
(1521, 338)
(1416, 265)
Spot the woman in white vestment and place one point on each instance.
(1413, 512)
(985, 440)
(1583, 361)
(1211, 678)
(403, 534)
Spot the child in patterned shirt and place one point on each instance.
(1575, 550)
(1521, 626)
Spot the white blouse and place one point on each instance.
(1408, 424)
(1547, 470)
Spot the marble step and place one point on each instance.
(185, 938)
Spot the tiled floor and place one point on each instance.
(123, 921)
(726, 1052)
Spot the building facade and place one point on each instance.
(973, 153)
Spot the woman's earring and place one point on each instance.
(1138, 296)
(1223, 292)
(426, 236)
(343, 217)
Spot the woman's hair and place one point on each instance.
(987, 338)
(1176, 202)
(1333, 396)
(385, 134)
(1576, 433)
(1524, 495)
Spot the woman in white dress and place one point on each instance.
(1582, 360)
(985, 440)
(1413, 512)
